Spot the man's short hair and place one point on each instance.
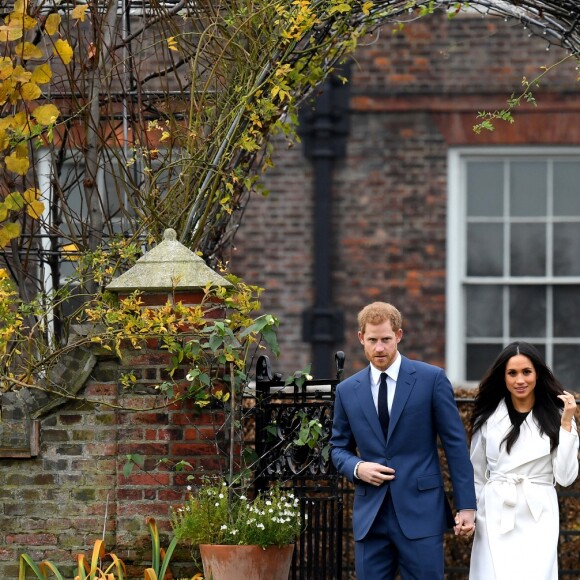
(377, 313)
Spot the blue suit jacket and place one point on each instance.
(423, 409)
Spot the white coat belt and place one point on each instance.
(507, 489)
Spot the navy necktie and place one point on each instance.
(383, 404)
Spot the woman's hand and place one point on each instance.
(569, 410)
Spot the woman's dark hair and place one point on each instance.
(492, 389)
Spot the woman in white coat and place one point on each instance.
(524, 441)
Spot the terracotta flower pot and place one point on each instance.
(246, 562)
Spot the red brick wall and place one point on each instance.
(55, 505)
(413, 95)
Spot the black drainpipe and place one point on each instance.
(324, 126)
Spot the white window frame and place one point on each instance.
(456, 246)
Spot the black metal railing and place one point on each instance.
(292, 434)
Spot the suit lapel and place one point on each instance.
(405, 383)
(365, 397)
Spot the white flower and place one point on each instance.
(261, 526)
(221, 496)
(217, 504)
(224, 527)
(243, 497)
(189, 488)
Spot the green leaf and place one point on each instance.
(26, 561)
(131, 461)
(271, 340)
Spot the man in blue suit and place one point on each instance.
(387, 421)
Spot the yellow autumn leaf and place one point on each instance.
(79, 11)
(10, 33)
(30, 91)
(171, 44)
(6, 67)
(6, 89)
(35, 209)
(16, 164)
(46, 114)
(31, 194)
(52, 23)
(341, 8)
(70, 252)
(19, 121)
(20, 7)
(42, 74)
(21, 20)
(27, 51)
(21, 124)
(3, 211)
(4, 140)
(8, 232)
(21, 75)
(63, 50)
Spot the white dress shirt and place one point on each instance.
(392, 376)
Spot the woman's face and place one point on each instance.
(520, 380)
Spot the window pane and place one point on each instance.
(528, 195)
(485, 250)
(566, 188)
(485, 188)
(480, 301)
(566, 246)
(527, 311)
(566, 357)
(479, 358)
(566, 311)
(528, 250)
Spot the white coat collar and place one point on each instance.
(530, 444)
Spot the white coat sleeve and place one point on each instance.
(565, 457)
(478, 458)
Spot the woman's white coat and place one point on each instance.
(517, 506)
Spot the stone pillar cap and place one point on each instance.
(168, 266)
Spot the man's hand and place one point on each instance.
(464, 523)
(375, 473)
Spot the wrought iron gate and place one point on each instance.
(286, 412)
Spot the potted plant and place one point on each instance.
(238, 536)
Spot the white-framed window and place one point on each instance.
(513, 257)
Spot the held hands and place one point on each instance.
(464, 523)
(375, 473)
(569, 410)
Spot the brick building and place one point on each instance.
(471, 235)
(423, 212)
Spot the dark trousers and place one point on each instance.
(385, 551)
